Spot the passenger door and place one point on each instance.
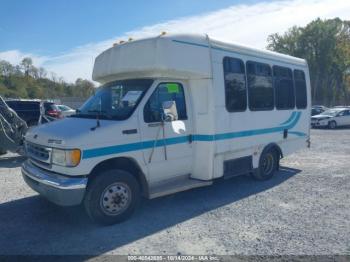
(346, 118)
(167, 146)
(342, 118)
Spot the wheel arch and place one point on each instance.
(123, 163)
(334, 121)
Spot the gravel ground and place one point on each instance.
(304, 210)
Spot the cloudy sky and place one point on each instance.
(69, 51)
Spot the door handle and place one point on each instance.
(154, 124)
(190, 139)
(129, 131)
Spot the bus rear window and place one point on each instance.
(300, 89)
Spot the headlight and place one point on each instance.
(68, 158)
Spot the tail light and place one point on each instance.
(54, 113)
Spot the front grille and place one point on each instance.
(38, 152)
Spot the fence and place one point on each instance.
(73, 102)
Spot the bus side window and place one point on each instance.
(284, 88)
(300, 89)
(235, 85)
(260, 88)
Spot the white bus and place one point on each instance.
(174, 112)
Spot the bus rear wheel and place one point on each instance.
(268, 164)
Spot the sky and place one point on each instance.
(66, 36)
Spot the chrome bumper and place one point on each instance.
(62, 190)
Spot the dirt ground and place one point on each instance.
(303, 210)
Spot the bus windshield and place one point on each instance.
(116, 100)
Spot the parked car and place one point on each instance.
(338, 116)
(316, 110)
(29, 110)
(341, 107)
(66, 110)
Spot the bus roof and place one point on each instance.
(178, 55)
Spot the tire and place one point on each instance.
(332, 124)
(112, 197)
(268, 164)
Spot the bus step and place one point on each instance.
(175, 185)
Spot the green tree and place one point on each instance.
(83, 88)
(6, 69)
(27, 81)
(325, 44)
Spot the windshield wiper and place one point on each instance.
(97, 111)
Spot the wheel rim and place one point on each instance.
(115, 199)
(267, 163)
(332, 124)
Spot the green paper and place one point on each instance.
(173, 88)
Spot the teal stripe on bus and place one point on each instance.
(117, 149)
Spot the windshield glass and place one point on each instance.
(331, 112)
(64, 108)
(116, 100)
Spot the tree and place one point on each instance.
(18, 71)
(27, 81)
(6, 69)
(325, 44)
(84, 88)
(27, 64)
(42, 72)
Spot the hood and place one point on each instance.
(74, 132)
(321, 116)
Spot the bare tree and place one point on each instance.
(27, 64)
(42, 72)
(6, 69)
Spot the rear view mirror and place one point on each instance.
(169, 111)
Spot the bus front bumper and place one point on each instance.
(59, 189)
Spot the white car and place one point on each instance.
(338, 116)
(66, 110)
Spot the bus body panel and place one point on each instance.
(204, 145)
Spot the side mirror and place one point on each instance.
(169, 111)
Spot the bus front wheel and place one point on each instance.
(112, 197)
